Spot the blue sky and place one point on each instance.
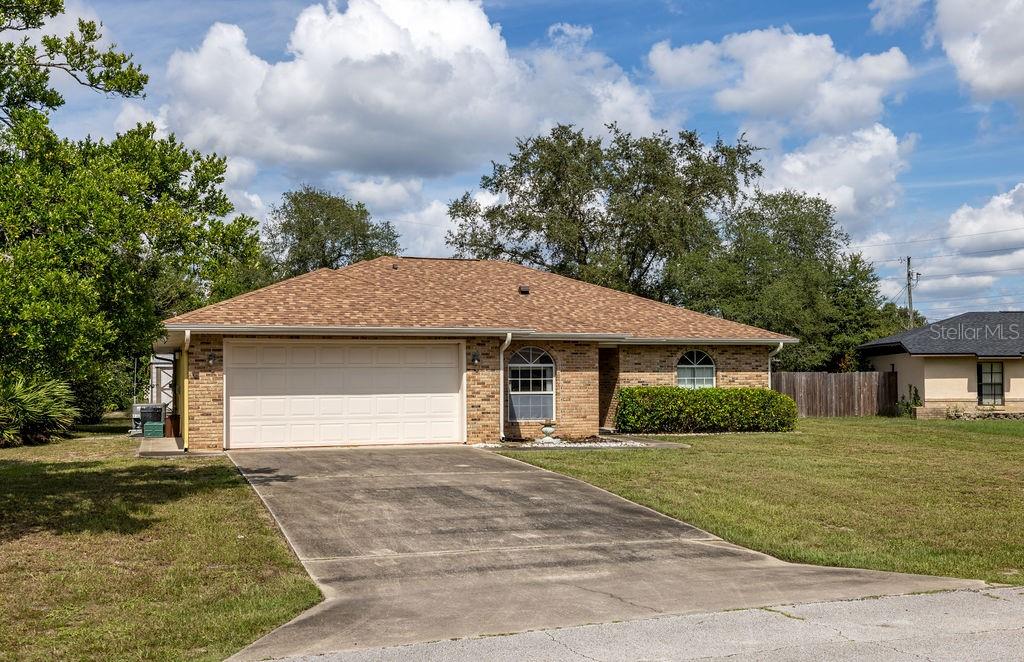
(906, 114)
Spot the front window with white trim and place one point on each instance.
(695, 370)
(531, 385)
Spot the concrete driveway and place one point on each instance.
(423, 544)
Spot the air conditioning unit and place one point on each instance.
(147, 412)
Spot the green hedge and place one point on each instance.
(670, 409)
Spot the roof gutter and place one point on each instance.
(616, 338)
(501, 385)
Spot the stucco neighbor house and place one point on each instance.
(401, 350)
(972, 362)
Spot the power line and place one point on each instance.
(959, 273)
(994, 303)
(929, 257)
(948, 236)
(972, 296)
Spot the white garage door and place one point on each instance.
(320, 394)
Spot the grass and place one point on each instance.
(928, 497)
(107, 556)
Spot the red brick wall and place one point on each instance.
(482, 409)
(206, 393)
(576, 390)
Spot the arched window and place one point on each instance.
(531, 385)
(695, 370)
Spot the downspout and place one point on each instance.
(183, 418)
(501, 383)
(771, 355)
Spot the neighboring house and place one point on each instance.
(410, 350)
(970, 361)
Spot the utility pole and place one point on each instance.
(911, 276)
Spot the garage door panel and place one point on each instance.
(332, 406)
(330, 355)
(355, 431)
(306, 394)
(273, 435)
(273, 407)
(359, 356)
(388, 380)
(302, 406)
(360, 406)
(415, 355)
(304, 355)
(332, 433)
(272, 381)
(274, 355)
(245, 407)
(245, 355)
(390, 405)
(443, 356)
(444, 404)
(416, 430)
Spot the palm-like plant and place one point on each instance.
(33, 410)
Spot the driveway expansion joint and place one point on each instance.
(512, 548)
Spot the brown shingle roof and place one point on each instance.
(428, 293)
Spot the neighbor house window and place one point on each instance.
(990, 383)
(695, 370)
(531, 385)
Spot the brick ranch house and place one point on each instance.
(402, 350)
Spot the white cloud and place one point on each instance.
(778, 74)
(423, 230)
(856, 172)
(983, 39)
(892, 14)
(383, 194)
(132, 113)
(998, 223)
(688, 66)
(393, 87)
(568, 34)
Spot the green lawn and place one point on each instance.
(107, 556)
(930, 497)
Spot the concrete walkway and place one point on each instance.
(958, 625)
(423, 544)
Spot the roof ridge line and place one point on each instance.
(637, 296)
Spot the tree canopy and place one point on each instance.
(99, 240)
(313, 228)
(613, 213)
(26, 63)
(673, 219)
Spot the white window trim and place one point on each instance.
(714, 366)
(508, 386)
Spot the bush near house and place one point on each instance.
(33, 410)
(668, 409)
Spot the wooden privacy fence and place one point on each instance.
(839, 393)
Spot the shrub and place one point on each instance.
(33, 410)
(670, 409)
